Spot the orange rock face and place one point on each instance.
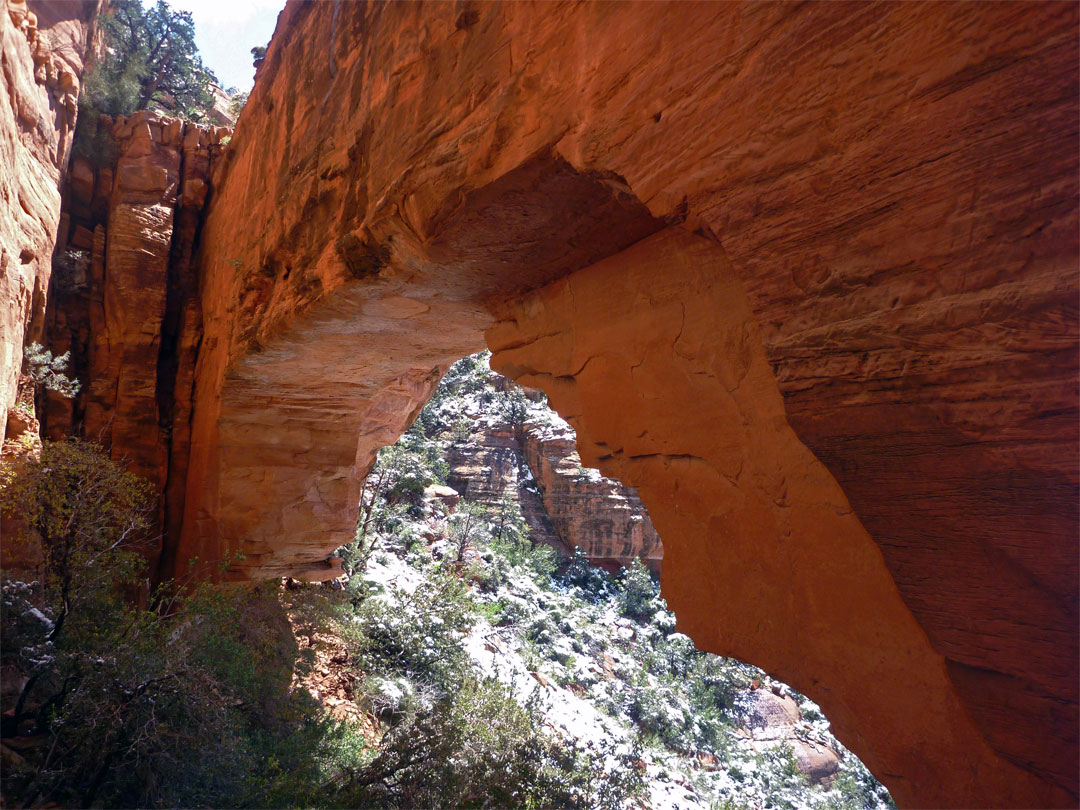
(42, 62)
(825, 254)
(764, 557)
(895, 188)
(601, 516)
(124, 297)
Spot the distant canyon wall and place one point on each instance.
(602, 516)
(564, 505)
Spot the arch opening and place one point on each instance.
(487, 483)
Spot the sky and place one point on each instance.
(227, 30)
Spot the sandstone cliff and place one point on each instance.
(43, 53)
(125, 296)
(489, 466)
(534, 461)
(855, 412)
(603, 517)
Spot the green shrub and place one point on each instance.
(639, 591)
(48, 371)
(593, 582)
(478, 748)
(167, 705)
(416, 635)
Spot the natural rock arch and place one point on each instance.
(896, 189)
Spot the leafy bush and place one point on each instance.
(513, 406)
(508, 536)
(237, 101)
(580, 573)
(165, 705)
(479, 748)
(91, 517)
(416, 635)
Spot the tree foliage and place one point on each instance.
(639, 591)
(150, 61)
(91, 516)
(166, 705)
(48, 371)
(237, 100)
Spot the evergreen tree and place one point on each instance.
(152, 52)
(150, 61)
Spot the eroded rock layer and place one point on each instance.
(42, 55)
(565, 505)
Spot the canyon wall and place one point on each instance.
(42, 55)
(602, 516)
(489, 467)
(124, 299)
(832, 247)
(564, 505)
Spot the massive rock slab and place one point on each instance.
(42, 53)
(764, 557)
(895, 190)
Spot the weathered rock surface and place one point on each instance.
(221, 113)
(764, 558)
(125, 300)
(773, 718)
(602, 516)
(564, 505)
(894, 188)
(42, 55)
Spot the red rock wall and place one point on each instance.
(125, 300)
(603, 517)
(42, 52)
(895, 187)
